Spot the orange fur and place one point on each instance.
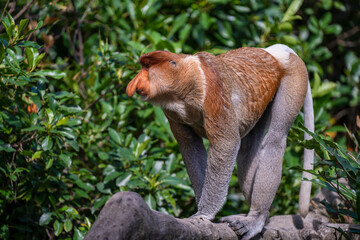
(258, 75)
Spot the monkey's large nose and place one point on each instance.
(140, 85)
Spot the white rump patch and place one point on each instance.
(196, 61)
(281, 52)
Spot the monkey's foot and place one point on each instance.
(246, 226)
(200, 216)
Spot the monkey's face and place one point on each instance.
(155, 81)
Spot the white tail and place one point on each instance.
(305, 188)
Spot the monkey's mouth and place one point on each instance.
(143, 95)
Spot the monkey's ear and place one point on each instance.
(173, 63)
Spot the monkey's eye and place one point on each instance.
(173, 63)
(146, 65)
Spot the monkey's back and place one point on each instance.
(254, 77)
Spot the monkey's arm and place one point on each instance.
(193, 153)
(223, 150)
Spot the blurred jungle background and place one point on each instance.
(70, 138)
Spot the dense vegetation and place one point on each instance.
(70, 137)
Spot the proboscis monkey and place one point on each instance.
(244, 102)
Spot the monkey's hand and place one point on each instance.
(246, 226)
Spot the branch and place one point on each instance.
(23, 9)
(340, 39)
(78, 34)
(4, 10)
(127, 216)
(101, 96)
(2, 15)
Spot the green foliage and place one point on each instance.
(69, 136)
(339, 171)
(38, 139)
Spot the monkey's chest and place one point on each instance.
(188, 115)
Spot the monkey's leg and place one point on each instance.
(262, 173)
(193, 153)
(248, 160)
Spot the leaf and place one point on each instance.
(157, 167)
(62, 121)
(47, 143)
(112, 176)
(171, 163)
(13, 57)
(114, 135)
(31, 54)
(205, 20)
(7, 148)
(23, 24)
(81, 194)
(67, 134)
(292, 10)
(349, 213)
(29, 44)
(88, 222)
(50, 73)
(324, 89)
(66, 159)
(86, 186)
(289, 39)
(123, 180)
(39, 25)
(11, 20)
(140, 147)
(73, 122)
(179, 22)
(286, 26)
(45, 218)
(185, 32)
(126, 153)
(176, 182)
(64, 94)
(68, 225)
(36, 155)
(165, 45)
(98, 203)
(74, 145)
(9, 30)
(58, 227)
(13, 177)
(325, 20)
(33, 128)
(70, 109)
(150, 201)
(78, 235)
(49, 163)
(72, 211)
(2, 52)
(101, 187)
